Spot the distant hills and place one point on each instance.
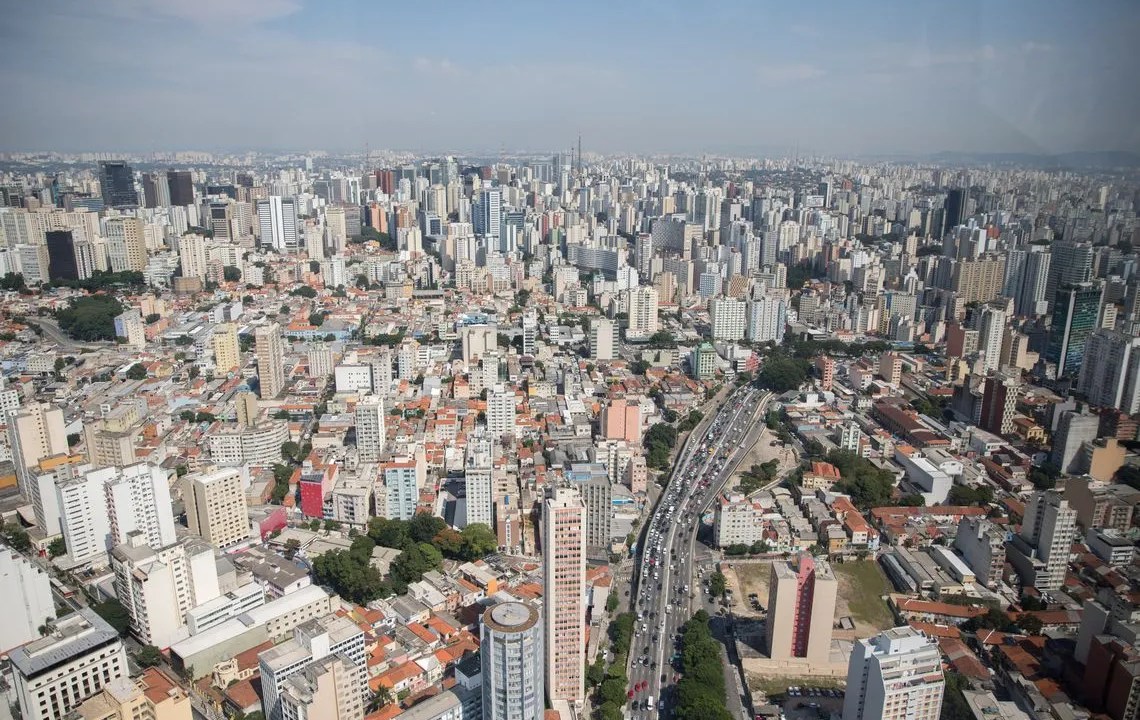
(1103, 159)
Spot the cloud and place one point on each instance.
(1030, 47)
(788, 74)
(441, 66)
(922, 59)
(214, 13)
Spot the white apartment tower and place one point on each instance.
(138, 500)
(26, 603)
(34, 433)
(896, 675)
(564, 586)
(500, 412)
(728, 318)
(277, 218)
(1041, 551)
(479, 482)
(643, 310)
(370, 429)
(603, 339)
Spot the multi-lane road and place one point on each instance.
(668, 583)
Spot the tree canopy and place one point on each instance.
(91, 317)
(659, 442)
(867, 485)
(781, 373)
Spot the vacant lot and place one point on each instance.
(745, 578)
(861, 589)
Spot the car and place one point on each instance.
(629, 695)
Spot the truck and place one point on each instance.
(649, 703)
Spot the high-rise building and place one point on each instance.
(479, 482)
(642, 311)
(500, 412)
(181, 186)
(401, 491)
(978, 279)
(336, 230)
(564, 607)
(84, 515)
(981, 544)
(991, 331)
(126, 244)
(1110, 371)
(999, 403)
(896, 675)
(510, 651)
(371, 432)
(26, 603)
(530, 332)
(332, 636)
(192, 255)
(34, 433)
(1071, 264)
(227, 348)
(56, 673)
(62, 262)
(801, 610)
(153, 696)
(277, 219)
(603, 339)
(270, 360)
(216, 507)
(1027, 279)
(767, 319)
(488, 215)
(593, 483)
(728, 318)
(955, 207)
(138, 501)
(1074, 429)
(1040, 553)
(331, 688)
(118, 185)
(246, 409)
(1076, 315)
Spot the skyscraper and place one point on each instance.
(227, 349)
(643, 311)
(1040, 553)
(1071, 264)
(501, 412)
(138, 501)
(1027, 279)
(1074, 429)
(955, 206)
(192, 255)
(126, 244)
(999, 403)
(896, 675)
(270, 360)
(488, 215)
(479, 481)
(216, 508)
(603, 339)
(510, 650)
(1076, 314)
(801, 610)
(1110, 372)
(181, 186)
(277, 218)
(564, 585)
(118, 185)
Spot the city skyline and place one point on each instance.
(150, 75)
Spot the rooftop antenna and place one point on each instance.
(579, 153)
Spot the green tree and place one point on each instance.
(1030, 624)
(611, 602)
(115, 614)
(15, 537)
(304, 291)
(231, 273)
(781, 373)
(149, 656)
(91, 317)
(137, 372)
(717, 583)
(57, 548)
(317, 319)
(478, 540)
(292, 547)
(290, 451)
(424, 526)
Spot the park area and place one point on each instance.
(862, 586)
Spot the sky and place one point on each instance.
(641, 76)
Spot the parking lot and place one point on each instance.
(812, 704)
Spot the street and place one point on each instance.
(664, 604)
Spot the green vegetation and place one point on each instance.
(423, 542)
(13, 281)
(368, 234)
(954, 705)
(115, 614)
(231, 273)
(15, 537)
(281, 475)
(137, 372)
(690, 421)
(717, 583)
(91, 317)
(782, 373)
(758, 476)
(867, 485)
(659, 442)
(1044, 477)
(57, 548)
(101, 280)
(611, 682)
(390, 340)
(863, 585)
(304, 291)
(700, 694)
(966, 495)
(317, 319)
(149, 656)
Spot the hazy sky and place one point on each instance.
(905, 76)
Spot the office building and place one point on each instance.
(500, 412)
(151, 696)
(603, 339)
(35, 432)
(1040, 553)
(270, 351)
(1027, 280)
(488, 212)
(1072, 264)
(1076, 315)
(1110, 371)
(728, 318)
(371, 432)
(955, 209)
(26, 603)
(180, 184)
(216, 507)
(227, 348)
(62, 262)
(118, 185)
(336, 230)
(331, 636)
(564, 588)
(896, 675)
(801, 610)
(56, 673)
(510, 651)
(277, 220)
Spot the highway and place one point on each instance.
(666, 584)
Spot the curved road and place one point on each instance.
(666, 586)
